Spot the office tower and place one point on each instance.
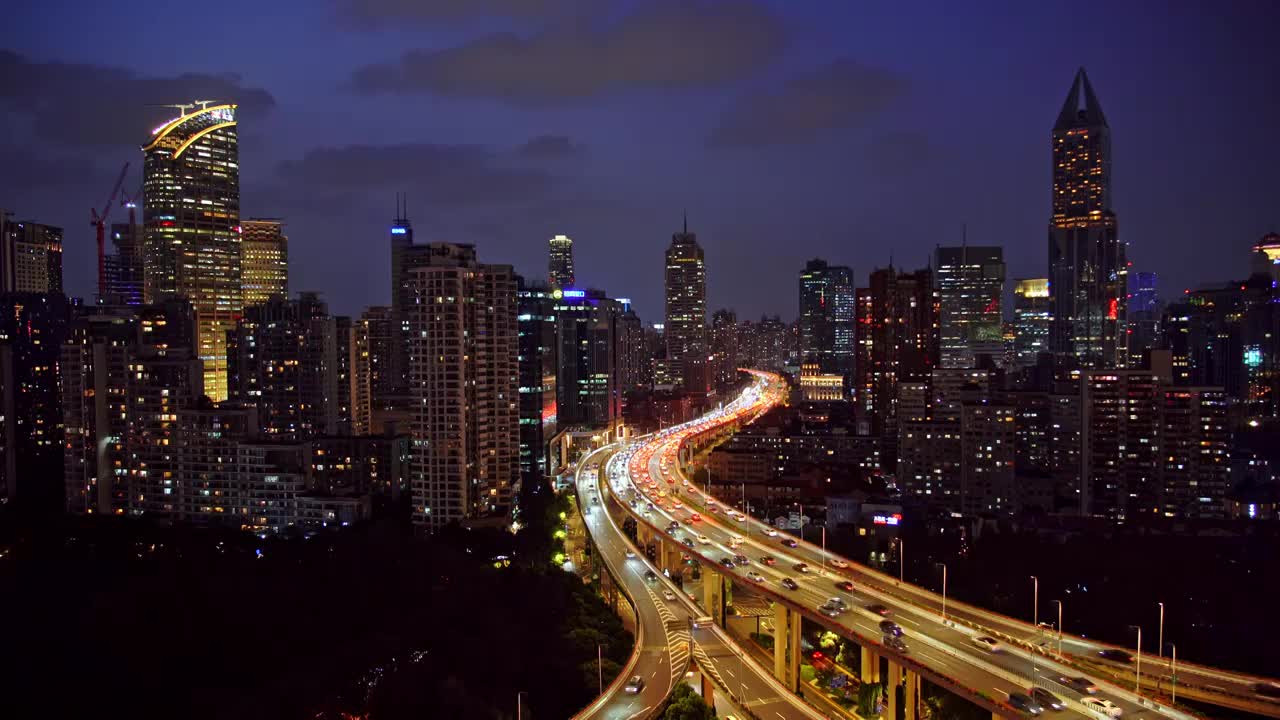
(361, 371)
(587, 374)
(826, 317)
(724, 349)
(264, 264)
(382, 344)
(897, 341)
(538, 368)
(191, 215)
(1087, 265)
(970, 283)
(289, 359)
(560, 268)
(1031, 318)
(462, 326)
(32, 329)
(124, 266)
(404, 255)
(685, 328)
(635, 360)
(30, 257)
(1145, 310)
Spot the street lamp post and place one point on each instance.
(1173, 672)
(902, 559)
(1059, 627)
(519, 705)
(1137, 670)
(1160, 639)
(1035, 601)
(944, 591)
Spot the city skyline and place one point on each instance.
(562, 152)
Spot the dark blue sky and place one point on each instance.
(852, 131)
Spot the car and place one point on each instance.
(1115, 655)
(695, 517)
(769, 560)
(1079, 684)
(727, 562)
(896, 643)
(771, 532)
(651, 576)
(713, 508)
(985, 642)
(673, 525)
(741, 560)
(1047, 699)
(755, 577)
(829, 610)
(634, 685)
(688, 542)
(735, 540)
(800, 567)
(1025, 703)
(838, 602)
(1102, 705)
(704, 539)
(790, 584)
(879, 609)
(688, 521)
(889, 627)
(676, 506)
(703, 621)
(668, 595)
(840, 564)
(789, 542)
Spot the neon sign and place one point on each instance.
(399, 231)
(575, 293)
(893, 519)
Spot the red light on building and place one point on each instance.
(1113, 309)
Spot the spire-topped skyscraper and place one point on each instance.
(1087, 264)
(686, 311)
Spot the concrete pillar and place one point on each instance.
(891, 688)
(713, 595)
(786, 646)
(913, 695)
(708, 690)
(869, 665)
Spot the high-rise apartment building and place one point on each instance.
(1087, 261)
(685, 328)
(30, 257)
(538, 368)
(264, 264)
(970, 283)
(724, 349)
(191, 215)
(464, 382)
(125, 265)
(1031, 317)
(897, 341)
(382, 334)
(1120, 443)
(826, 317)
(560, 267)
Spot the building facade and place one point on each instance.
(264, 264)
(30, 257)
(1031, 319)
(685, 329)
(560, 265)
(826, 317)
(124, 266)
(970, 291)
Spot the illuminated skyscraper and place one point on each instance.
(826, 317)
(970, 286)
(1087, 265)
(1031, 317)
(264, 265)
(30, 257)
(686, 305)
(560, 269)
(191, 217)
(125, 266)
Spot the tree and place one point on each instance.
(828, 642)
(868, 699)
(687, 705)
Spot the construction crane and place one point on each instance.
(131, 202)
(99, 221)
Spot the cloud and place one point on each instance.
(68, 102)
(377, 14)
(663, 44)
(840, 95)
(548, 147)
(443, 175)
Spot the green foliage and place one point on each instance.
(828, 641)
(807, 673)
(850, 656)
(687, 705)
(868, 699)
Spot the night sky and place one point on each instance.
(852, 131)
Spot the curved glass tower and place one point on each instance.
(191, 217)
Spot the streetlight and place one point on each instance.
(1173, 672)
(902, 559)
(1160, 639)
(1059, 627)
(1137, 670)
(519, 706)
(1035, 602)
(944, 591)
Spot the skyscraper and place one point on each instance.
(30, 257)
(685, 329)
(1087, 263)
(897, 342)
(536, 325)
(1145, 309)
(970, 287)
(560, 269)
(383, 337)
(464, 382)
(264, 264)
(724, 349)
(1031, 317)
(124, 267)
(587, 360)
(191, 215)
(826, 317)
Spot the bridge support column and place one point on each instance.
(869, 665)
(713, 595)
(913, 695)
(891, 688)
(786, 646)
(708, 690)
